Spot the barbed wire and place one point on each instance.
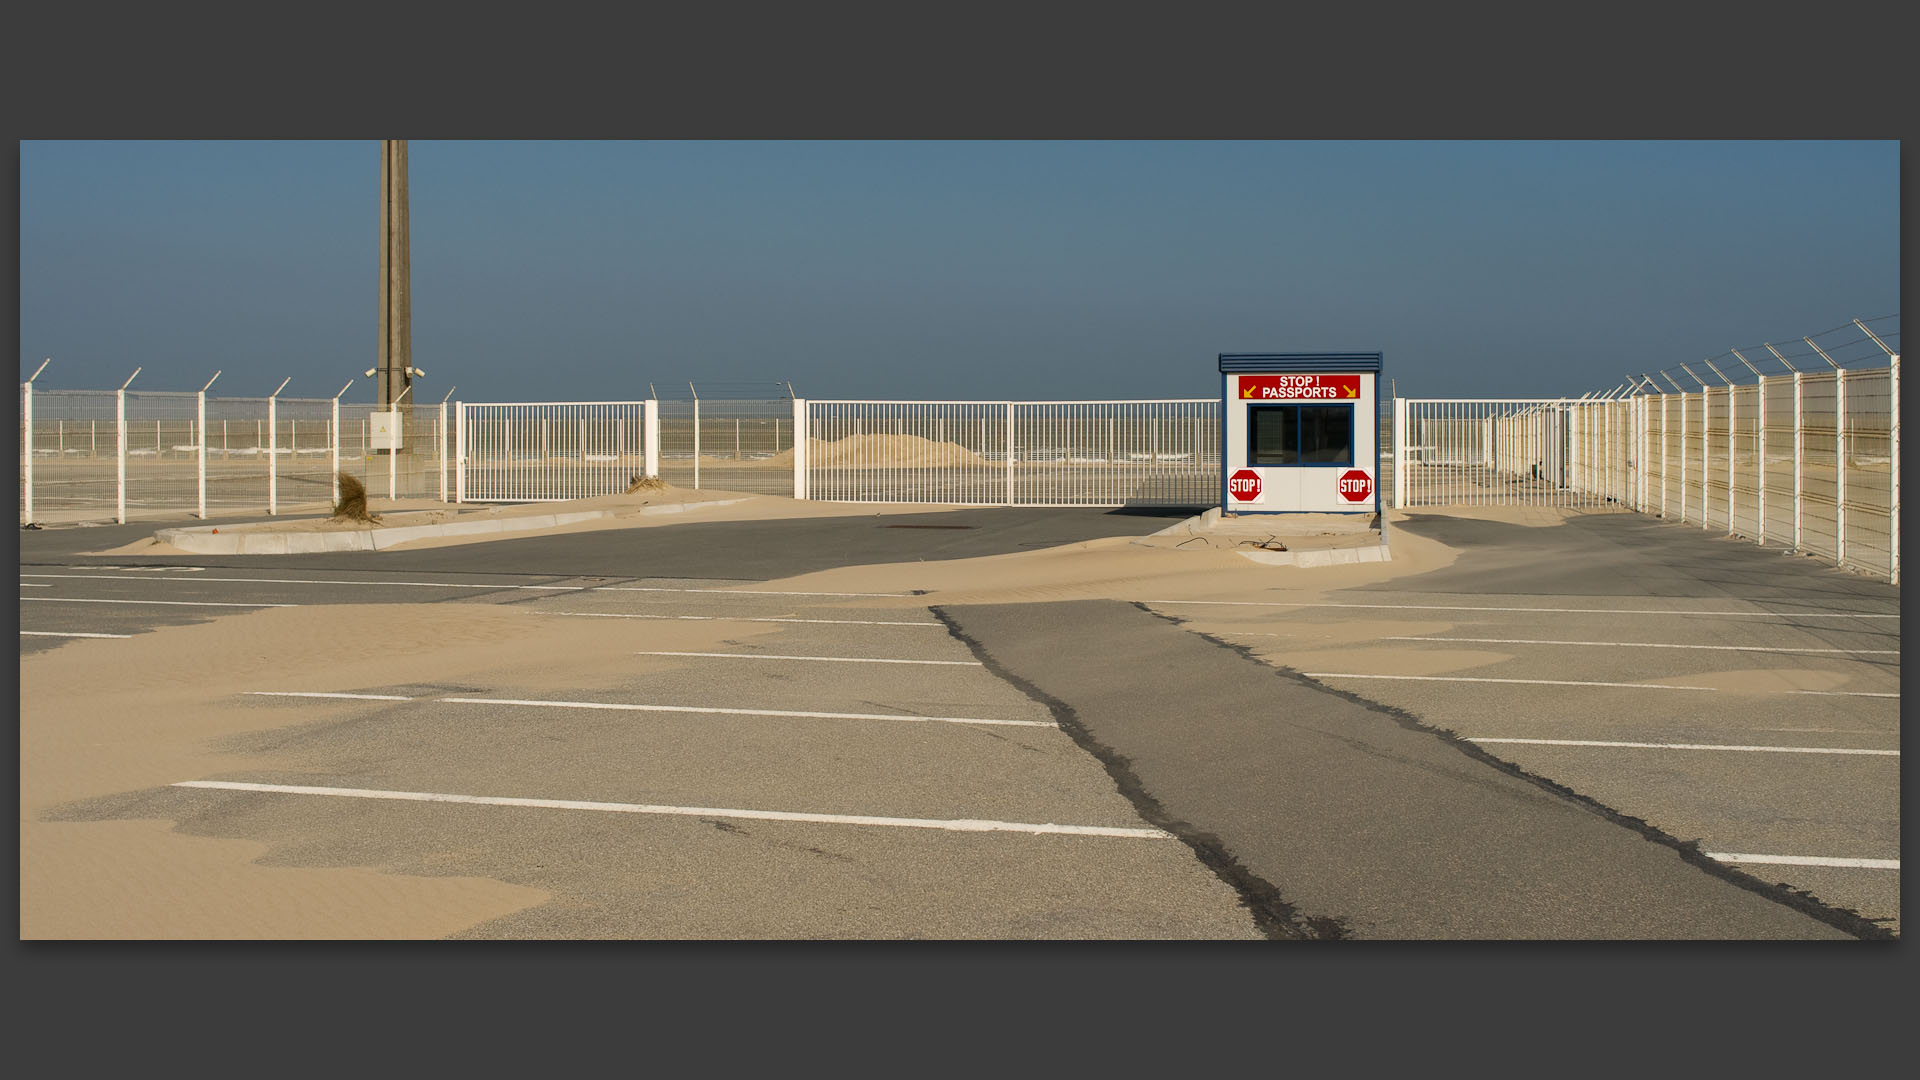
(1863, 343)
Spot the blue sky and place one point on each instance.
(585, 270)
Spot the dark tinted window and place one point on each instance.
(1300, 435)
(1273, 435)
(1326, 434)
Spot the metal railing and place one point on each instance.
(1805, 459)
(1162, 452)
(146, 454)
(733, 444)
(551, 450)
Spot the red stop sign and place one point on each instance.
(1244, 485)
(1356, 486)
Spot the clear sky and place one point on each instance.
(586, 270)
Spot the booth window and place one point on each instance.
(1300, 435)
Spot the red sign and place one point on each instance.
(1244, 485)
(1356, 486)
(1299, 387)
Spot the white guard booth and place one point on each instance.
(1299, 433)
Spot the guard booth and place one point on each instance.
(1299, 433)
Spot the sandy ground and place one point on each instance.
(627, 512)
(175, 696)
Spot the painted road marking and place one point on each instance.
(34, 585)
(306, 693)
(1695, 746)
(1805, 860)
(947, 824)
(174, 603)
(833, 659)
(465, 585)
(739, 592)
(1568, 682)
(1543, 610)
(56, 633)
(734, 618)
(1643, 645)
(329, 581)
(621, 706)
(1463, 678)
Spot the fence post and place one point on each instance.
(799, 447)
(273, 448)
(200, 413)
(696, 441)
(1799, 455)
(440, 446)
(1840, 467)
(1760, 460)
(1731, 414)
(460, 449)
(1706, 449)
(1399, 453)
(1010, 452)
(650, 437)
(120, 455)
(1893, 441)
(1683, 457)
(26, 448)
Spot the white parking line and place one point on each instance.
(621, 706)
(304, 693)
(739, 592)
(1569, 682)
(1642, 645)
(1541, 610)
(1694, 746)
(56, 633)
(1805, 860)
(173, 603)
(734, 618)
(947, 824)
(467, 585)
(330, 581)
(34, 585)
(832, 659)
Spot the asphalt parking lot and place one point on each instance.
(1717, 724)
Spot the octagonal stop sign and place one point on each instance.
(1356, 486)
(1244, 485)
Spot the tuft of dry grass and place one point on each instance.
(353, 501)
(645, 483)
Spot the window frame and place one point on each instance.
(1299, 434)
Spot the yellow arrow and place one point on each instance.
(1246, 391)
(1352, 392)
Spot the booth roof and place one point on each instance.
(1285, 363)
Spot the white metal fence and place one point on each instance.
(539, 451)
(145, 454)
(1808, 460)
(732, 444)
(1012, 453)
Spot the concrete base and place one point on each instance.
(1280, 539)
(1322, 557)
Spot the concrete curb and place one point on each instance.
(1323, 557)
(203, 540)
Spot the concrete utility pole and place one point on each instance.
(396, 302)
